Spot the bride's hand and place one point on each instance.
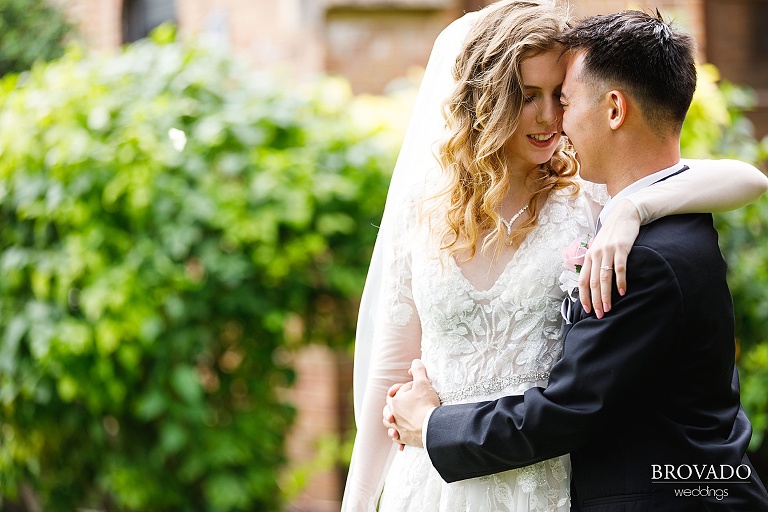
(607, 254)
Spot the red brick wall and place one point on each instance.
(739, 48)
(361, 45)
(372, 42)
(688, 12)
(99, 21)
(369, 41)
(272, 34)
(322, 396)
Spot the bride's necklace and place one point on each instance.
(508, 224)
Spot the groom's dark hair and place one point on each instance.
(644, 55)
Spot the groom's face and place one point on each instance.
(584, 120)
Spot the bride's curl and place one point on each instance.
(481, 114)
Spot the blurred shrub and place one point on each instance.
(744, 240)
(168, 221)
(716, 127)
(30, 30)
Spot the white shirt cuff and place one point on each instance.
(424, 427)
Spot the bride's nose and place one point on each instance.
(548, 113)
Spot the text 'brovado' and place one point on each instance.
(707, 472)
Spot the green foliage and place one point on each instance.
(744, 240)
(168, 221)
(30, 30)
(716, 127)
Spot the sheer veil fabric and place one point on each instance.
(416, 168)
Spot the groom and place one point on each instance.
(646, 399)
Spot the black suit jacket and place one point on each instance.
(650, 388)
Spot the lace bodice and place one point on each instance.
(476, 342)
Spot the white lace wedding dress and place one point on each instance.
(479, 344)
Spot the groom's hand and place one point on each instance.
(408, 404)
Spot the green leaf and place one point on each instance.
(151, 406)
(186, 383)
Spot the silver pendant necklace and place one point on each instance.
(512, 220)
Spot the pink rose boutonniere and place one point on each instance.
(573, 255)
(573, 260)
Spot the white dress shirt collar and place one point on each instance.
(638, 185)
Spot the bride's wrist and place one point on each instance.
(626, 211)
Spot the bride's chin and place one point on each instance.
(548, 158)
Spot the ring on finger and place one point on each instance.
(606, 267)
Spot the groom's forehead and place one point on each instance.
(573, 73)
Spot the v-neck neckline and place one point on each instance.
(498, 281)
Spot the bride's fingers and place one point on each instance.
(389, 418)
(615, 264)
(584, 291)
(595, 288)
(394, 435)
(589, 284)
(620, 268)
(606, 280)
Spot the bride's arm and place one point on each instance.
(709, 186)
(396, 341)
(373, 450)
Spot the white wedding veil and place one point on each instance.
(416, 168)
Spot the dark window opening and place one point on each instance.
(140, 17)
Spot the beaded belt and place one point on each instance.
(486, 387)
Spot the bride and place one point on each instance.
(484, 197)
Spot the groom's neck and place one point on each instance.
(634, 160)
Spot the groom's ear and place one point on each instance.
(618, 107)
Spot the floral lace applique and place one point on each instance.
(400, 296)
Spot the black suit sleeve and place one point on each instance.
(603, 365)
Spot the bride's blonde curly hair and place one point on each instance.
(481, 114)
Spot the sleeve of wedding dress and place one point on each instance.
(709, 186)
(397, 342)
(597, 196)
